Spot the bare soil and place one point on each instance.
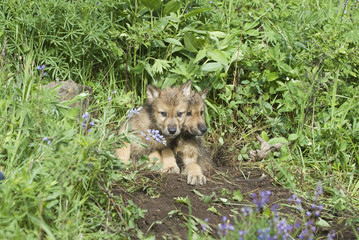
(166, 217)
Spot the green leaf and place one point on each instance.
(195, 12)
(217, 56)
(173, 41)
(265, 137)
(200, 55)
(214, 210)
(277, 140)
(211, 67)
(322, 223)
(171, 6)
(238, 196)
(160, 65)
(292, 137)
(151, 4)
(189, 42)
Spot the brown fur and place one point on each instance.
(165, 111)
(188, 145)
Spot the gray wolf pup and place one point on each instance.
(164, 113)
(188, 145)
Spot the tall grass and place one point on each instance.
(282, 68)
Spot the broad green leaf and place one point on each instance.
(238, 196)
(189, 42)
(265, 137)
(171, 6)
(217, 56)
(277, 140)
(151, 4)
(218, 34)
(195, 12)
(173, 41)
(200, 55)
(292, 137)
(322, 223)
(271, 76)
(214, 210)
(211, 67)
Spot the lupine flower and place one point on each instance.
(134, 111)
(203, 226)
(155, 134)
(86, 115)
(318, 190)
(109, 99)
(46, 140)
(114, 91)
(263, 234)
(283, 227)
(41, 67)
(264, 198)
(241, 234)
(246, 211)
(225, 226)
(297, 200)
(331, 235)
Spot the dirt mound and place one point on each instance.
(167, 198)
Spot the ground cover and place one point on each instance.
(285, 71)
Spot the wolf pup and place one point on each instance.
(188, 145)
(164, 114)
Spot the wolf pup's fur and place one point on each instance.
(188, 145)
(165, 111)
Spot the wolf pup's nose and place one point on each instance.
(202, 128)
(172, 130)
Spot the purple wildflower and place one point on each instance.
(133, 112)
(241, 234)
(224, 227)
(109, 99)
(246, 211)
(283, 227)
(264, 234)
(154, 134)
(331, 235)
(318, 190)
(41, 67)
(86, 115)
(264, 199)
(46, 139)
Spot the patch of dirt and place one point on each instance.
(166, 217)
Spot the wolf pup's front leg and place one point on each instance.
(169, 164)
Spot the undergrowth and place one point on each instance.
(282, 69)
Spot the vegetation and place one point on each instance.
(286, 70)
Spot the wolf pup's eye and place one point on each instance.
(189, 113)
(164, 114)
(202, 112)
(179, 114)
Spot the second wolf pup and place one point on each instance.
(188, 145)
(164, 114)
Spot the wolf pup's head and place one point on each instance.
(169, 107)
(195, 123)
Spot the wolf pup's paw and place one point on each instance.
(170, 169)
(196, 179)
(195, 175)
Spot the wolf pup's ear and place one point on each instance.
(152, 93)
(204, 93)
(186, 89)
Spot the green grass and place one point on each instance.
(296, 74)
